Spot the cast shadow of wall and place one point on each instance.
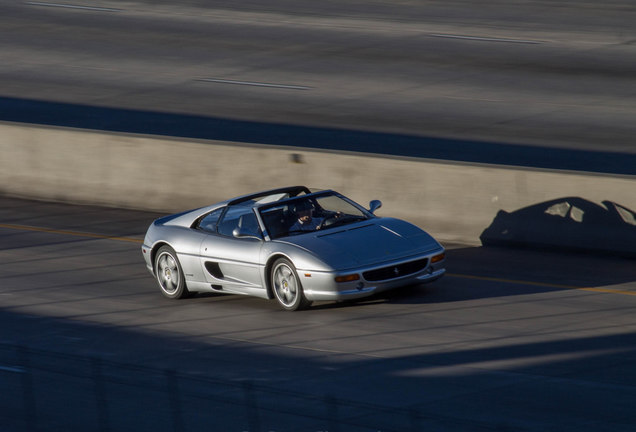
(571, 223)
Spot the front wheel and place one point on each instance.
(169, 274)
(286, 286)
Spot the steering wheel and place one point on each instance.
(329, 220)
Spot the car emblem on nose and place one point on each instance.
(396, 271)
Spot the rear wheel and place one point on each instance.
(286, 286)
(169, 274)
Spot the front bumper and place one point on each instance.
(319, 286)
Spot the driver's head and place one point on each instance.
(303, 210)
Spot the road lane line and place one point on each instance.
(541, 284)
(11, 369)
(253, 83)
(486, 39)
(71, 233)
(513, 281)
(69, 6)
(608, 291)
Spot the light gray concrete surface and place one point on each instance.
(455, 202)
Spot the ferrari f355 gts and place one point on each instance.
(291, 244)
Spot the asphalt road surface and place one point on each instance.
(509, 340)
(502, 82)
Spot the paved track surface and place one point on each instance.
(534, 76)
(510, 340)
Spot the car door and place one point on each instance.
(232, 263)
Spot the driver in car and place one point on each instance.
(305, 221)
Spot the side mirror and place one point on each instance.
(239, 232)
(374, 205)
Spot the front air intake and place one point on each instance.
(395, 271)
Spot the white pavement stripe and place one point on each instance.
(11, 369)
(485, 39)
(68, 6)
(252, 83)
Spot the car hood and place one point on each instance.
(365, 243)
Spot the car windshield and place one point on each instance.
(310, 214)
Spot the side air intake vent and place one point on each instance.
(214, 269)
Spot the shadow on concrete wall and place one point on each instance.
(571, 223)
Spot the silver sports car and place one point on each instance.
(292, 244)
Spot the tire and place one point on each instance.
(287, 287)
(169, 274)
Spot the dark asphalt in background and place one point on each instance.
(536, 84)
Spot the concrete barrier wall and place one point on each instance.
(455, 202)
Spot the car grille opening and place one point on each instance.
(396, 271)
